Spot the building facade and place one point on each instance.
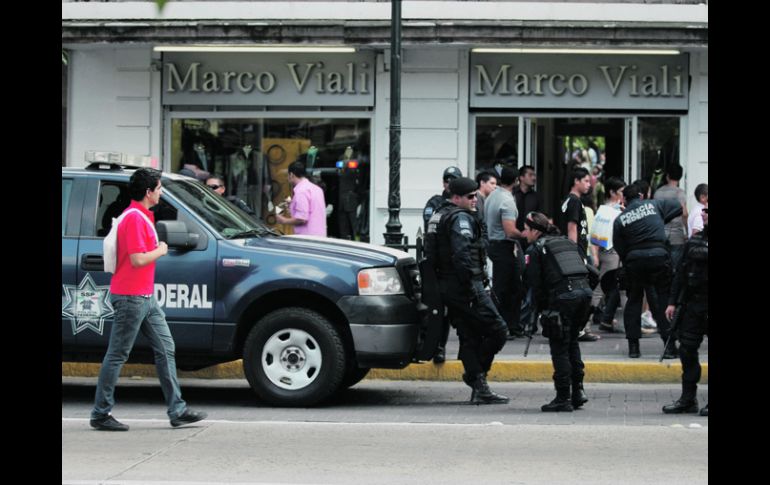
(484, 84)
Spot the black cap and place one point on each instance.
(462, 186)
(452, 173)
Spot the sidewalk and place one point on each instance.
(606, 361)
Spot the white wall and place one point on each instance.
(434, 131)
(114, 103)
(697, 159)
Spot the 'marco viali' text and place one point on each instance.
(354, 79)
(622, 79)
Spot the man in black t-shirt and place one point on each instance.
(572, 220)
(573, 223)
(527, 200)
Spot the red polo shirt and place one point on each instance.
(134, 236)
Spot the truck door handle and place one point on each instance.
(92, 262)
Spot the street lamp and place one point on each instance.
(394, 236)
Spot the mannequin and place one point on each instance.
(200, 151)
(348, 198)
(243, 178)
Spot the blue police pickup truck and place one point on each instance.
(309, 316)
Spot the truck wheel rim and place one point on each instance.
(291, 359)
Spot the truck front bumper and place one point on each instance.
(384, 329)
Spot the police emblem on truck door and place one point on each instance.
(87, 305)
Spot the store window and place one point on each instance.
(497, 141)
(252, 157)
(658, 145)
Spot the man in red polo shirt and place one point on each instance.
(136, 309)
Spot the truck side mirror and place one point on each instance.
(176, 235)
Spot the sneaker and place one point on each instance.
(187, 417)
(609, 327)
(108, 423)
(648, 322)
(588, 337)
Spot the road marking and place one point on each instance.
(303, 423)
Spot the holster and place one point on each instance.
(552, 326)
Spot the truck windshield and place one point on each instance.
(224, 217)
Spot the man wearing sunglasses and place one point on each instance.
(217, 184)
(454, 245)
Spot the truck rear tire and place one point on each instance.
(294, 357)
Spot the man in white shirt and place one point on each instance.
(695, 221)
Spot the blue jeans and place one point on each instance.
(132, 314)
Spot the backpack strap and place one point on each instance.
(147, 219)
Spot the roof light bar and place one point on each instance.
(253, 48)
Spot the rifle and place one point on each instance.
(677, 317)
(531, 329)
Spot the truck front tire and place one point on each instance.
(294, 357)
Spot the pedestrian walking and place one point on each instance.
(136, 309)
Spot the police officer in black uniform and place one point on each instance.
(690, 287)
(434, 203)
(437, 200)
(639, 237)
(454, 243)
(558, 277)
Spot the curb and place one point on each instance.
(451, 370)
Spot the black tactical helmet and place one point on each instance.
(452, 173)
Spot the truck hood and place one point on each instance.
(368, 254)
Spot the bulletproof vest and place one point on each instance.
(697, 263)
(563, 261)
(431, 207)
(438, 248)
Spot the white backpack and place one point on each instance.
(110, 244)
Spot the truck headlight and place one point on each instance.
(379, 281)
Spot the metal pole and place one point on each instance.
(393, 236)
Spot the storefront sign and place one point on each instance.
(579, 81)
(268, 79)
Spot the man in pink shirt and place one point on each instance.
(308, 207)
(136, 309)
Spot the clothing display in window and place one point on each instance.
(243, 177)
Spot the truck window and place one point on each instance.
(224, 217)
(114, 199)
(66, 195)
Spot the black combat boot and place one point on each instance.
(482, 394)
(633, 349)
(670, 352)
(682, 405)
(561, 403)
(578, 395)
(440, 356)
(704, 410)
(687, 403)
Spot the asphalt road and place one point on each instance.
(386, 432)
